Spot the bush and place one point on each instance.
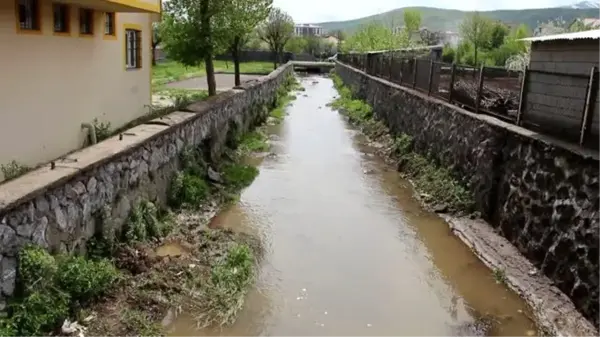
(238, 176)
(40, 312)
(84, 279)
(188, 190)
(145, 223)
(448, 54)
(36, 268)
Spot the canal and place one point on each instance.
(349, 251)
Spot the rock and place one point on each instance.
(9, 275)
(214, 175)
(440, 208)
(91, 185)
(38, 236)
(8, 240)
(61, 219)
(25, 230)
(42, 204)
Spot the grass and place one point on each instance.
(284, 97)
(499, 275)
(254, 141)
(13, 170)
(171, 71)
(436, 184)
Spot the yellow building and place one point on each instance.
(64, 63)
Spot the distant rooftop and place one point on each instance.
(588, 34)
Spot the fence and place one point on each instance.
(522, 98)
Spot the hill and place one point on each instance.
(449, 19)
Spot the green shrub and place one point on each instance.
(84, 279)
(192, 161)
(40, 312)
(188, 190)
(103, 130)
(238, 176)
(144, 223)
(36, 268)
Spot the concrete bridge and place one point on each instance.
(313, 67)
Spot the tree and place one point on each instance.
(192, 33)
(314, 46)
(296, 45)
(475, 29)
(498, 31)
(276, 32)
(239, 20)
(373, 37)
(412, 21)
(155, 40)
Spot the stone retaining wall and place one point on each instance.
(539, 193)
(59, 208)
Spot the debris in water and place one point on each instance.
(533, 272)
(322, 324)
(297, 315)
(303, 290)
(299, 298)
(369, 325)
(530, 333)
(325, 313)
(520, 311)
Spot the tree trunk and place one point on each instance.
(210, 75)
(274, 59)
(235, 54)
(208, 61)
(153, 55)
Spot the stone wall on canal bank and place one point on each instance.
(59, 206)
(539, 193)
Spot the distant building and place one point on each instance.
(307, 29)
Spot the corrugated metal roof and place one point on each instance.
(588, 34)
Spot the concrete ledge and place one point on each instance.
(32, 184)
(553, 310)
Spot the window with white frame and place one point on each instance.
(133, 47)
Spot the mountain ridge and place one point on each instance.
(449, 19)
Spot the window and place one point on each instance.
(133, 48)
(109, 24)
(29, 14)
(86, 21)
(61, 18)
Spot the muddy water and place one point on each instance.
(350, 251)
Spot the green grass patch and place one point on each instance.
(223, 296)
(166, 72)
(254, 141)
(238, 176)
(50, 287)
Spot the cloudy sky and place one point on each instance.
(309, 11)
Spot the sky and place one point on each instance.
(312, 11)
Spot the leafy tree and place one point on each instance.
(412, 21)
(475, 29)
(498, 31)
(340, 36)
(192, 33)
(373, 37)
(276, 32)
(239, 18)
(314, 45)
(430, 38)
(296, 45)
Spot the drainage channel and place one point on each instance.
(350, 252)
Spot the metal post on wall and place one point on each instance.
(415, 68)
(452, 75)
(431, 64)
(479, 88)
(590, 98)
(523, 95)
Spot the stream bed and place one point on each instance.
(349, 251)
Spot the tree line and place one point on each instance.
(483, 41)
(192, 32)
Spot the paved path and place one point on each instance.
(224, 82)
